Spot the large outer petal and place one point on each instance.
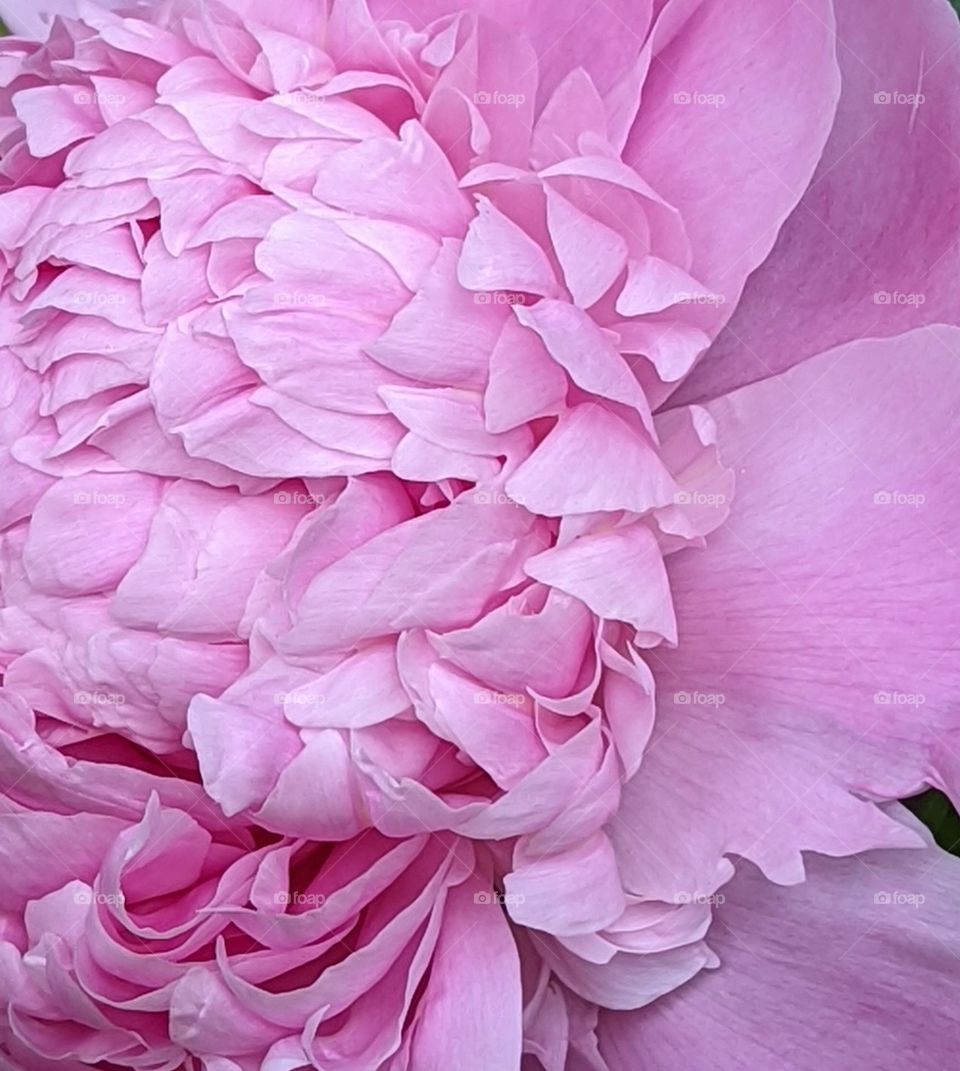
(826, 976)
(736, 111)
(817, 663)
(871, 250)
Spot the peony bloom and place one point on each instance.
(476, 534)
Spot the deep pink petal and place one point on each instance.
(736, 110)
(851, 262)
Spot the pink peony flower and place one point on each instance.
(476, 534)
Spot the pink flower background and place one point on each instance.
(478, 540)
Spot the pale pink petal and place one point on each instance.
(592, 460)
(319, 259)
(422, 460)
(654, 285)
(31, 18)
(86, 532)
(172, 286)
(207, 406)
(241, 751)
(407, 181)
(437, 571)
(71, 846)
(524, 381)
(591, 569)
(574, 108)
(499, 255)
(591, 254)
(576, 343)
(628, 981)
(316, 795)
(605, 44)
(495, 729)
(620, 196)
(477, 959)
(187, 202)
(56, 116)
(101, 780)
(445, 334)
(363, 689)
(203, 554)
(592, 893)
(689, 450)
(533, 641)
(454, 420)
(19, 399)
(671, 346)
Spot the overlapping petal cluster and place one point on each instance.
(366, 681)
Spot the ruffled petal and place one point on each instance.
(815, 668)
(606, 44)
(31, 18)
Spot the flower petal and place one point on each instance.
(604, 39)
(472, 1003)
(815, 670)
(593, 567)
(871, 938)
(851, 262)
(736, 111)
(28, 18)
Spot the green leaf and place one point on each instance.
(938, 814)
